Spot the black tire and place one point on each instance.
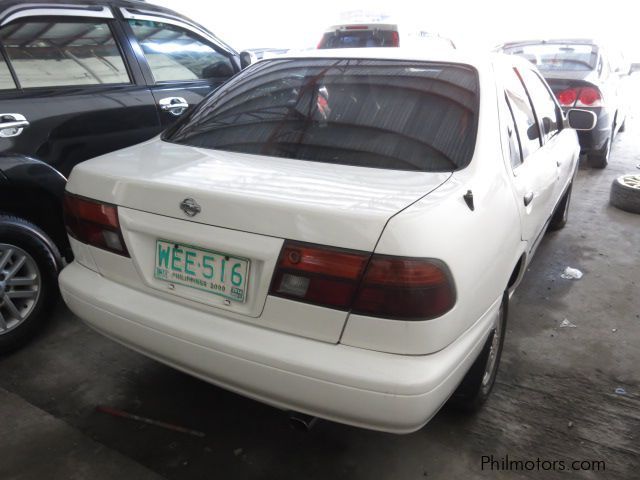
(28, 294)
(477, 384)
(561, 214)
(601, 159)
(625, 193)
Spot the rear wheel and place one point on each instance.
(28, 283)
(479, 380)
(561, 215)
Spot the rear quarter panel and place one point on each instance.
(481, 247)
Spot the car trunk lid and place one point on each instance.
(336, 205)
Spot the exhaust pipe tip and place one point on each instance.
(301, 421)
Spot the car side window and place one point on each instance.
(515, 149)
(56, 53)
(175, 54)
(6, 80)
(525, 119)
(544, 104)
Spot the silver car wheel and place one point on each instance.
(20, 286)
(632, 181)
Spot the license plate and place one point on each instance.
(214, 272)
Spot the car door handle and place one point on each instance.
(528, 198)
(12, 124)
(174, 105)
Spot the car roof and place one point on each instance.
(421, 54)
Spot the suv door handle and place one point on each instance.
(528, 198)
(174, 105)
(12, 124)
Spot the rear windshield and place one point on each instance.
(558, 56)
(371, 113)
(360, 39)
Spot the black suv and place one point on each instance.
(79, 79)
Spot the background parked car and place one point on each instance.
(360, 35)
(79, 79)
(583, 74)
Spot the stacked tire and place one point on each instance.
(625, 193)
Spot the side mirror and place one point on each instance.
(247, 58)
(581, 119)
(635, 67)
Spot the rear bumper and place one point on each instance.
(381, 391)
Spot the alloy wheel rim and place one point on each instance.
(20, 286)
(493, 352)
(632, 181)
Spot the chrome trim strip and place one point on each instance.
(48, 9)
(155, 16)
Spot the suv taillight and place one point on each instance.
(94, 223)
(381, 286)
(395, 39)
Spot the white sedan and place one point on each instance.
(336, 233)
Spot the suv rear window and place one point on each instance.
(372, 113)
(360, 39)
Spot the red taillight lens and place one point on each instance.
(321, 275)
(405, 288)
(378, 285)
(95, 223)
(589, 97)
(395, 39)
(568, 97)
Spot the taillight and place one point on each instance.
(320, 275)
(395, 39)
(568, 97)
(589, 97)
(405, 288)
(94, 223)
(379, 285)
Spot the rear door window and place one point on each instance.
(373, 113)
(523, 113)
(175, 54)
(6, 80)
(547, 111)
(57, 53)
